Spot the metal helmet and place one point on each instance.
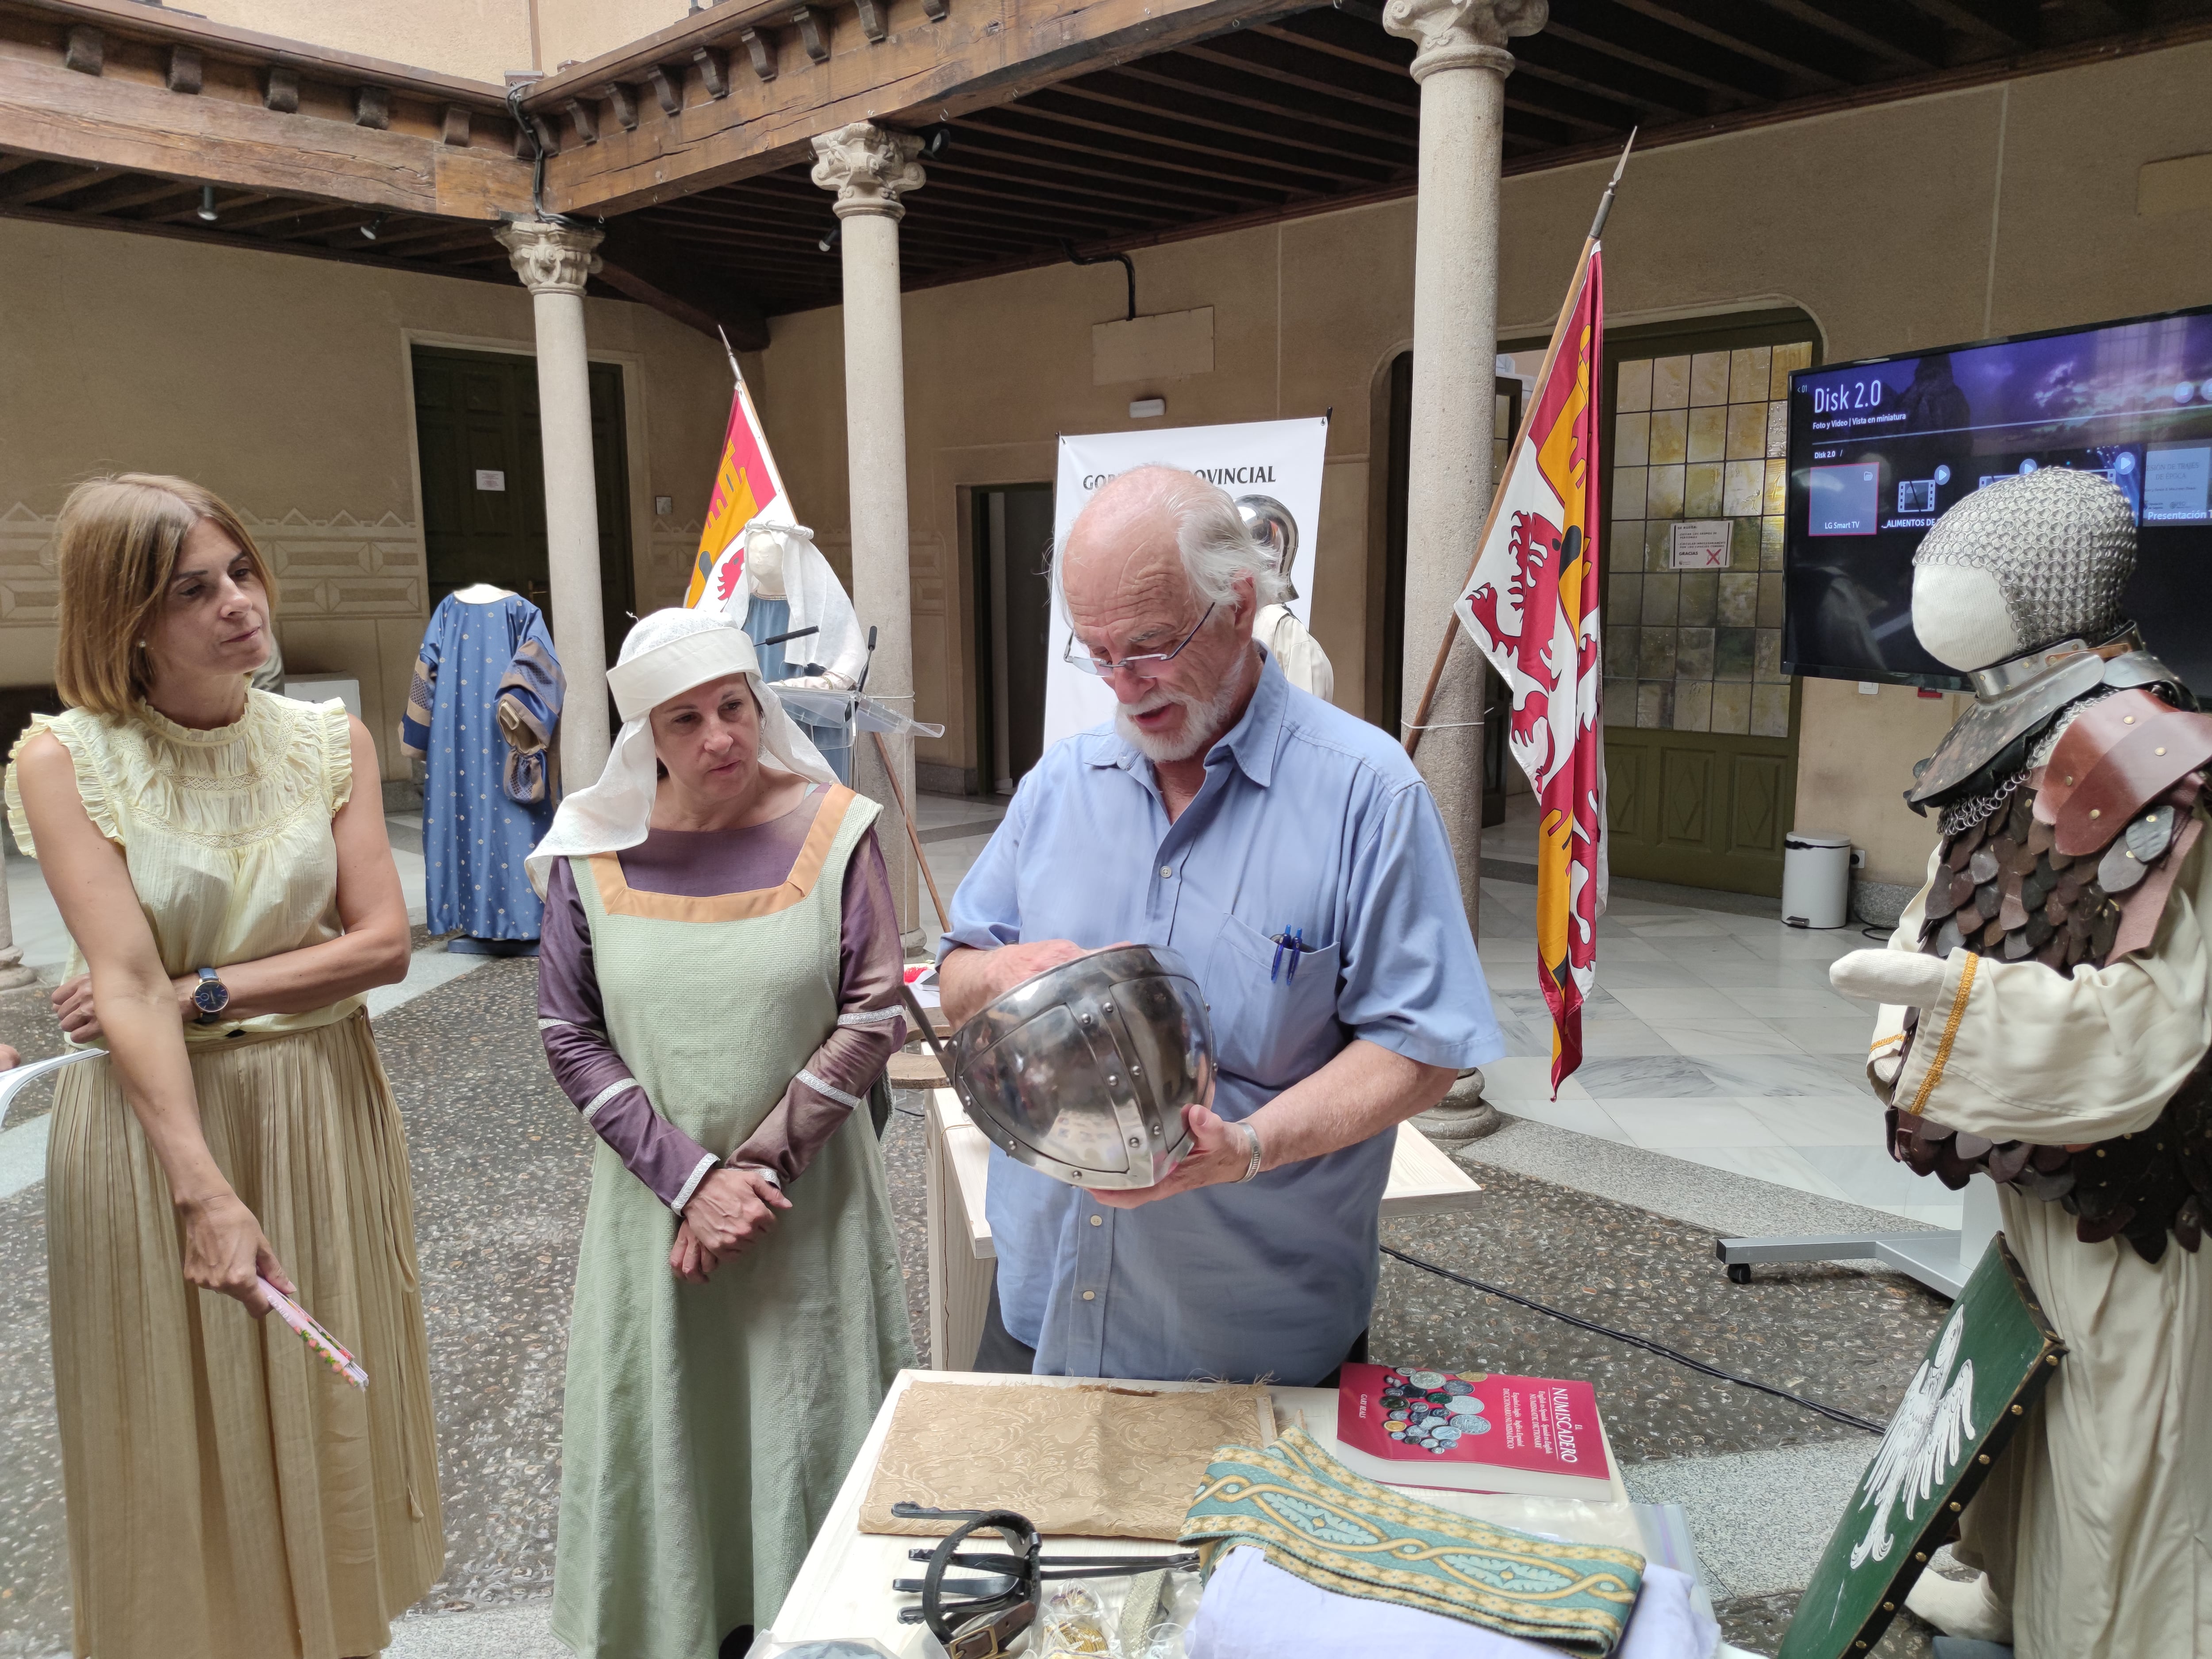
(2061, 543)
(1276, 531)
(1082, 1071)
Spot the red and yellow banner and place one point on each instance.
(746, 487)
(1532, 605)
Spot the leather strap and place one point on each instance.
(2118, 756)
(2141, 909)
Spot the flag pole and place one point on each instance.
(1420, 722)
(740, 374)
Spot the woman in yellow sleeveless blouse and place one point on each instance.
(219, 856)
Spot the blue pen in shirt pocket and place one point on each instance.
(1293, 941)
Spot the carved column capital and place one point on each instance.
(1463, 34)
(870, 168)
(550, 259)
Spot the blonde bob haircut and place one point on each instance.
(117, 543)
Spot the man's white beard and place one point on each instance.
(1205, 719)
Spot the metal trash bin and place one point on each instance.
(1816, 879)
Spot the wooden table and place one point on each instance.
(1424, 1180)
(843, 1589)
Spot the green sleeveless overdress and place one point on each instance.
(707, 1427)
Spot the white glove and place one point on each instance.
(1905, 978)
(828, 681)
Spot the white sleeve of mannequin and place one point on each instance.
(1303, 663)
(2015, 1051)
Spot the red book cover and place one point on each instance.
(1427, 1420)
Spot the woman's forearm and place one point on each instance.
(314, 977)
(146, 1045)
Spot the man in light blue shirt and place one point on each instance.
(1221, 810)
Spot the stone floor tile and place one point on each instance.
(1792, 1002)
(1664, 1124)
(1834, 1036)
(1662, 1005)
(1653, 1077)
(1700, 1037)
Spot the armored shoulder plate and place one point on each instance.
(2079, 870)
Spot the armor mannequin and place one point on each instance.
(784, 587)
(1276, 626)
(2045, 1022)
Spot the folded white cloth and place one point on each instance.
(1253, 1609)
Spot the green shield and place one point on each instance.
(1993, 1356)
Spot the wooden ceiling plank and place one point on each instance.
(1758, 32)
(1562, 63)
(1582, 116)
(1125, 162)
(1050, 130)
(1052, 217)
(125, 125)
(1334, 35)
(1609, 30)
(1055, 179)
(2007, 27)
(1287, 66)
(1141, 181)
(30, 192)
(132, 191)
(975, 59)
(1166, 117)
(1880, 28)
(1183, 74)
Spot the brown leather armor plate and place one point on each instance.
(2032, 896)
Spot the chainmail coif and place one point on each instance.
(2061, 543)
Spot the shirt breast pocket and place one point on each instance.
(1272, 1024)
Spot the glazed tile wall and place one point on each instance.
(1699, 436)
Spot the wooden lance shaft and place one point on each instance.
(883, 754)
(1420, 719)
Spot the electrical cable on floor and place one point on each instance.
(1832, 1413)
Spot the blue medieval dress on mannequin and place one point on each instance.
(480, 715)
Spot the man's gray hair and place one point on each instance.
(1216, 544)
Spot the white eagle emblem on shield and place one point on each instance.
(1924, 1442)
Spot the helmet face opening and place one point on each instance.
(1083, 1072)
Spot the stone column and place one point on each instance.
(1461, 68)
(870, 168)
(554, 261)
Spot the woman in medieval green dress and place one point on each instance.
(718, 989)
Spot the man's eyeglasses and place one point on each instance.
(1145, 665)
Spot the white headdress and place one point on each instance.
(667, 654)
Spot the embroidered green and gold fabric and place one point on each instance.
(1316, 1518)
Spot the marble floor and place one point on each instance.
(1712, 1037)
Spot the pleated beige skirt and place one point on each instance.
(228, 1496)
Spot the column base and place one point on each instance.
(14, 975)
(1462, 1116)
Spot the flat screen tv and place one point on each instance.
(1878, 448)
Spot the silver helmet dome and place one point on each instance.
(1082, 1071)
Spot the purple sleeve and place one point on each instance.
(572, 1024)
(870, 1028)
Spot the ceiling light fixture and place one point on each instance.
(207, 203)
(830, 241)
(368, 231)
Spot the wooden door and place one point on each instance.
(1700, 722)
(1013, 603)
(484, 481)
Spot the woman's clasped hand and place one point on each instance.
(732, 1210)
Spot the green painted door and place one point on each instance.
(1703, 809)
(1700, 721)
(484, 478)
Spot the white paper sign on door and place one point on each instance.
(488, 479)
(1280, 459)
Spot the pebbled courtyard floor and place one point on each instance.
(500, 1166)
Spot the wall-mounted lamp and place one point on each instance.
(368, 231)
(830, 241)
(207, 203)
(938, 141)
(1147, 409)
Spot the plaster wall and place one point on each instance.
(284, 384)
(1992, 210)
(479, 38)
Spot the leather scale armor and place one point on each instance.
(2077, 868)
